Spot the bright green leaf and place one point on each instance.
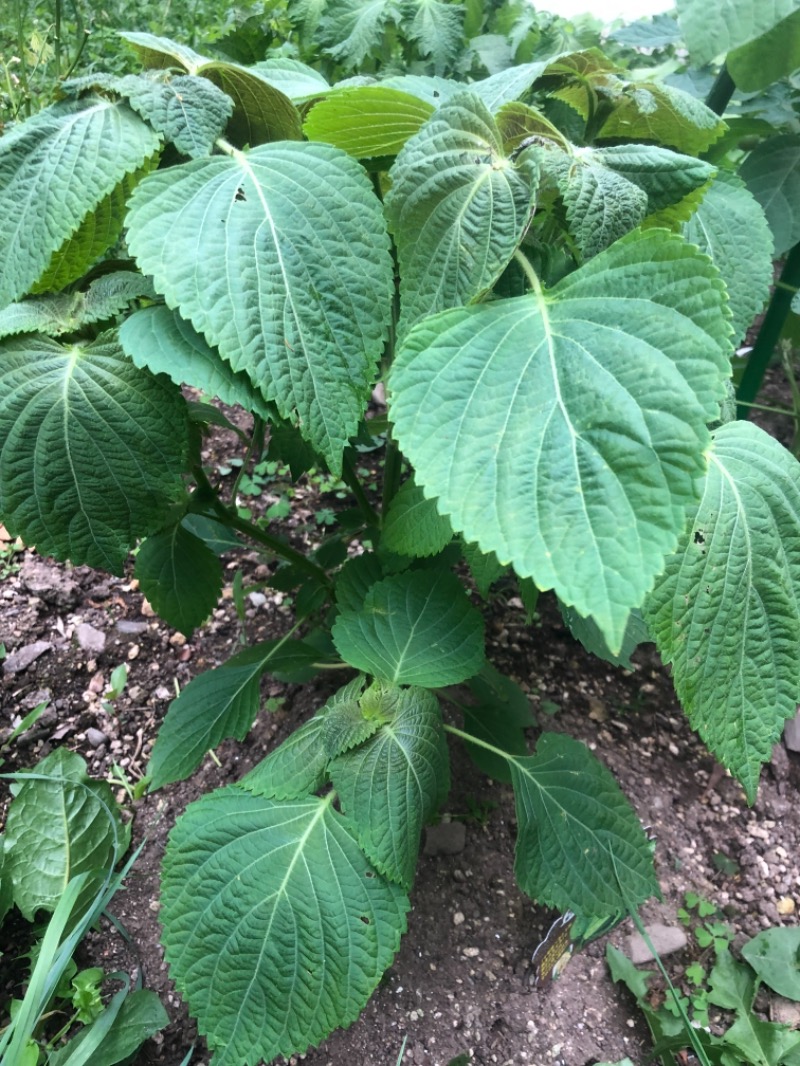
(727, 220)
(772, 174)
(346, 722)
(296, 80)
(180, 576)
(276, 928)
(416, 628)
(500, 717)
(510, 84)
(98, 232)
(768, 58)
(413, 526)
(775, 956)
(665, 176)
(355, 579)
(733, 987)
(711, 30)
(517, 122)
(389, 785)
(220, 703)
(654, 111)
(160, 53)
(162, 341)
(58, 828)
(485, 568)
(726, 612)
(296, 768)
(187, 110)
(54, 170)
(580, 845)
(587, 632)
(295, 290)
(140, 1016)
(564, 431)
(91, 449)
(367, 120)
(57, 313)
(261, 113)
(437, 29)
(458, 208)
(352, 28)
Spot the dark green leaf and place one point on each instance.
(180, 576)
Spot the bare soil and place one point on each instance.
(460, 983)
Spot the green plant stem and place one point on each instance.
(392, 465)
(772, 410)
(529, 272)
(256, 436)
(228, 517)
(721, 91)
(771, 328)
(475, 740)
(353, 482)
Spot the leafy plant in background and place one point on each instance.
(62, 843)
(770, 958)
(547, 277)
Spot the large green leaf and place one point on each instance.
(772, 174)
(296, 80)
(416, 628)
(276, 928)
(54, 170)
(162, 341)
(580, 845)
(261, 111)
(367, 120)
(767, 59)
(458, 208)
(294, 289)
(98, 232)
(57, 313)
(187, 110)
(352, 28)
(653, 111)
(437, 28)
(726, 612)
(180, 576)
(220, 703)
(413, 526)
(91, 449)
(297, 767)
(728, 220)
(775, 956)
(389, 786)
(733, 986)
(60, 824)
(602, 206)
(564, 431)
(713, 29)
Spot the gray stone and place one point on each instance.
(791, 733)
(96, 737)
(124, 626)
(447, 838)
(665, 939)
(89, 638)
(50, 582)
(22, 658)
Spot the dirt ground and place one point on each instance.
(460, 983)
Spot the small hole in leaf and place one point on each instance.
(698, 537)
(363, 918)
(370, 873)
(240, 194)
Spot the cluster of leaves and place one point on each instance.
(770, 959)
(568, 236)
(62, 842)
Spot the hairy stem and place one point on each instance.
(228, 517)
(353, 482)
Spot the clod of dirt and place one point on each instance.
(22, 658)
(49, 582)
